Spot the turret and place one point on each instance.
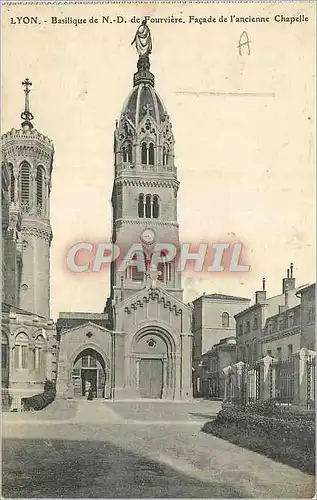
(29, 158)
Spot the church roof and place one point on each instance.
(66, 321)
(7, 309)
(220, 296)
(144, 100)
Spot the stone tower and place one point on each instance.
(29, 156)
(144, 197)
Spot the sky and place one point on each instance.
(243, 126)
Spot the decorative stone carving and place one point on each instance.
(155, 222)
(38, 233)
(151, 343)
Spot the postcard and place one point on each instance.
(158, 249)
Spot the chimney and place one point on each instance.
(286, 295)
(260, 295)
(289, 282)
(284, 308)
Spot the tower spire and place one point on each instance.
(26, 115)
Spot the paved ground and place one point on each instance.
(135, 450)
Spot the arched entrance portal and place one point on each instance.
(89, 369)
(154, 371)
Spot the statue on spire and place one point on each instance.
(26, 115)
(143, 40)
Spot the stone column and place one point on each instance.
(228, 389)
(251, 385)
(165, 366)
(186, 366)
(137, 373)
(46, 195)
(272, 380)
(170, 388)
(64, 387)
(176, 374)
(16, 174)
(238, 382)
(33, 186)
(265, 364)
(119, 355)
(49, 358)
(11, 363)
(301, 376)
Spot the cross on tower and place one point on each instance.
(147, 108)
(26, 83)
(27, 115)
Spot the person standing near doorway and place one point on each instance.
(90, 396)
(87, 386)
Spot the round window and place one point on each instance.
(151, 343)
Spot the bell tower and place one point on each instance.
(29, 156)
(144, 196)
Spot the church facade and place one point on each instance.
(141, 345)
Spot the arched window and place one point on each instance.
(164, 269)
(143, 153)
(21, 351)
(39, 354)
(155, 207)
(25, 184)
(129, 148)
(124, 154)
(141, 205)
(148, 206)
(165, 155)
(161, 271)
(225, 320)
(151, 154)
(12, 183)
(39, 187)
(165, 272)
(135, 272)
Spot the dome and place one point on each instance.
(144, 100)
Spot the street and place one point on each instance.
(99, 449)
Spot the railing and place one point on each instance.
(289, 381)
(253, 382)
(311, 383)
(284, 381)
(11, 398)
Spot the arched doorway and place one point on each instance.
(153, 364)
(89, 369)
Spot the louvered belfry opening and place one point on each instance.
(25, 183)
(39, 187)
